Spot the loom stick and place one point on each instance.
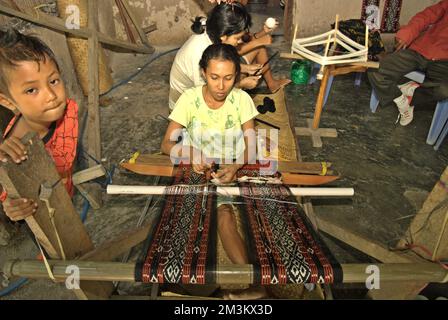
(225, 274)
(155, 164)
(227, 191)
(287, 178)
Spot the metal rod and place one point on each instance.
(229, 191)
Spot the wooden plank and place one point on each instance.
(24, 182)
(341, 70)
(89, 174)
(111, 250)
(287, 55)
(152, 27)
(93, 121)
(283, 166)
(362, 243)
(288, 18)
(287, 178)
(57, 24)
(92, 193)
(321, 97)
(366, 64)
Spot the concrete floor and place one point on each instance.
(390, 167)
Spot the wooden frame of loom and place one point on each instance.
(97, 271)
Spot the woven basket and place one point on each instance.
(79, 51)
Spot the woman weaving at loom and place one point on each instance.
(207, 115)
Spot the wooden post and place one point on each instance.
(24, 181)
(288, 18)
(93, 124)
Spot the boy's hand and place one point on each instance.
(19, 209)
(226, 173)
(13, 148)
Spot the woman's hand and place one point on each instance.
(249, 83)
(13, 148)
(198, 161)
(226, 173)
(270, 29)
(250, 69)
(19, 209)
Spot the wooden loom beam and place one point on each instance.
(225, 274)
(307, 173)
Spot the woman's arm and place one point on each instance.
(172, 134)
(177, 150)
(254, 43)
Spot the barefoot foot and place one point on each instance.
(278, 84)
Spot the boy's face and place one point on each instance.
(37, 92)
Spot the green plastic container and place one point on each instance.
(300, 71)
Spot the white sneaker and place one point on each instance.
(408, 88)
(405, 116)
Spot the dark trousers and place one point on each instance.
(394, 66)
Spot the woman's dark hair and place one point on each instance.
(224, 52)
(223, 20)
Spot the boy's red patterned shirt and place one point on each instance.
(61, 145)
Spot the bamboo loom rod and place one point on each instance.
(225, 274)
(228, 191)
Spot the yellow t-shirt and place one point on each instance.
(217, 133)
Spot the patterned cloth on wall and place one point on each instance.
(390, 22)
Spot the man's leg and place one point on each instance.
(435, 86)
(392, 69)
(385, 80)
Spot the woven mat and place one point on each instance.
(287, 150)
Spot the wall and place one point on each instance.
(173, 19)
(314, 17)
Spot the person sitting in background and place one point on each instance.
(226, 23)
(421, 45)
